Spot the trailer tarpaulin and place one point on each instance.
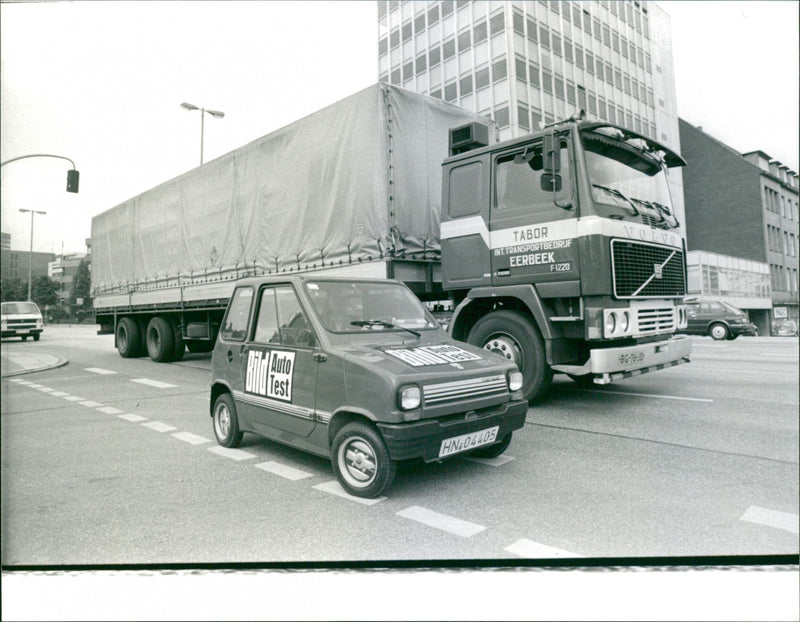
(359, 180)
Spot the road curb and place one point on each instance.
(60, 362)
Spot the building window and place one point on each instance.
(559, 86)
(419, 23)
(464, 41)
(533, 75)
(520, 68)
(407, 31)
(499, 70)
(466, 85)
(394, 38)
(568, 50)
(435, 56)
(383, 46)
(556, 41)
(519, 23)
(447, 8)
(449, 48)
(532, 30)
(501, 117)
(497, 23)
(479, 33)
(396, 78)
(433, 14)
(547, 81)
(544, 37)
(571, 93)
(522, 116)
(451, 92)
(421, 63)
(481, 78)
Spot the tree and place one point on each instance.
(82, 287)
(14, 290)
(44, 291)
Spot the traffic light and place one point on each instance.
(73, 177)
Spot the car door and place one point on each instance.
(279, 369)
(230, 347)
(695, 324)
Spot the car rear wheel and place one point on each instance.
(226, 423)
(719, 331)
(361, 461)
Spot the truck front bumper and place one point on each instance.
(423, 439)
(609, 364)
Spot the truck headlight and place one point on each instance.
(409, 397)
(611, 323)
(514, 381)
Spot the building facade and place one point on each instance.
(743, 207)
(528, 63)
(14, 264)
(63, 271)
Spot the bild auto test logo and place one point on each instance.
(270, 374)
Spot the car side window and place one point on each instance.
(234, 327)
(281, 319)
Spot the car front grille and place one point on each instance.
(464, 389)
(647, 270)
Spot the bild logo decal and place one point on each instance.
(433, 355)
(270, 374)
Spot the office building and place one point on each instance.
(527, 63)
(742, 226)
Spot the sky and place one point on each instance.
(101, 83)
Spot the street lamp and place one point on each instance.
(30, 255)
(203, 111)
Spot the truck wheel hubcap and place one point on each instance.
(506, 346)
(357, 462)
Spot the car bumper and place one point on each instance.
(423, 439)
(609, 364)
(19, 332)
(744, 329)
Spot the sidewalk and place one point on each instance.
(17, 363)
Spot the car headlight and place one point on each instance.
(514, 381)
(409, 397)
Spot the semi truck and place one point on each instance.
(559, 250)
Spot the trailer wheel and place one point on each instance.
(160, 340)
(512, 335)
(129, 338)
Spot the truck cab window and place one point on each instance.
(519, 177)
(234, 327)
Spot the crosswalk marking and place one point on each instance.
(772, 518)
(233, 454)
(102, 372)
(159, 427)
(335, 488)
(133, 418)
(59, 394)
(110, 410)
(535, 550)
(495, 462)
(284, 471)
(154, 383)
(90, 404)
(190, 438)
(74, 398)
(450, 524)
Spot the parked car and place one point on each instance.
(784, 328)
(21, 319)
(717, 319)
(357, 371)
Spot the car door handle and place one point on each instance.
(230, 356)
(320, 357)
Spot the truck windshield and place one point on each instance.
(356, 307)
(627, 183)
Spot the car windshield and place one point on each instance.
(731, 308)
(631, 182)
(20, 308)
(353, 307)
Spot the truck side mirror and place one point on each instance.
(551, 183)
(551, 154)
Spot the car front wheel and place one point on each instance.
(719, 332)
(361, 461)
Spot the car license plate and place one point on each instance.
(23, 331)
(468, 441)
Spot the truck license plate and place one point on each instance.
(468, 441)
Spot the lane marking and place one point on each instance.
(283, 470)
(110, 410)
(154, 383)
(535, 550)
(233, 454)
(159, 427)
(662, 397)
(130, 417)
(495, 462)
(102, 372)
(335, 488)
(46, 390)
(90, 404)
(59, 394)
(193, 439)
(33, 385)
(74, 398)
(19, 381)
(450, 524)
(772, 518)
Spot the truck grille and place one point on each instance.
(464, 389)
(656, 320)
(646, 270)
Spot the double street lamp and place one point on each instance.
(203, 111)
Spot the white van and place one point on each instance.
(21, 319)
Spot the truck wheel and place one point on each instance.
(129, 338)
(226, 423)
(511, 335)
(492, 451)
(719, 332)
(361, 461)
(160, 340)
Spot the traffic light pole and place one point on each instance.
(73, 176)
